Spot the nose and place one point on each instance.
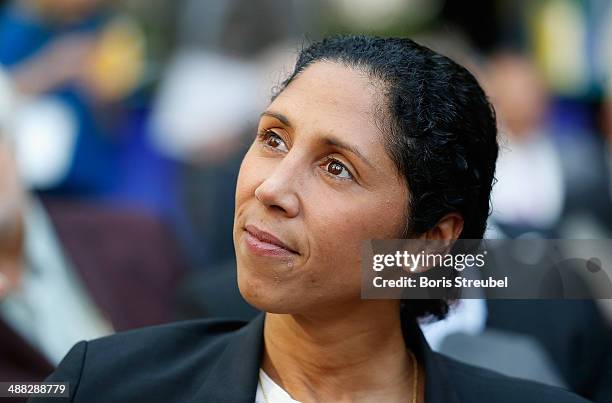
(277, 192)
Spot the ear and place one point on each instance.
(447, 229)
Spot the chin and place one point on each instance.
(262, 295)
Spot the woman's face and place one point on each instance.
(315, 183)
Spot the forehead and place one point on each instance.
(332, 97)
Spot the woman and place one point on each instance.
(369, 138)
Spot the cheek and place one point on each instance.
(246, 184)
(343, 223)
(341, 227)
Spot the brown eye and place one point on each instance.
(336, 168)
(273, 140)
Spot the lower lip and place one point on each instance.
(260, 248)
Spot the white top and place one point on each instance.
(273, 392)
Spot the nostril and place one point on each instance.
(279, 208)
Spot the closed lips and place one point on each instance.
(267, 237)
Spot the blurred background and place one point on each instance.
(123, 124)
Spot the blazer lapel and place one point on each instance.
(234, 376)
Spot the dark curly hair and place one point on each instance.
(439, 130)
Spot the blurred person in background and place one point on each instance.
(542, 174)
(72, 60)
(530, 187)
(72, 270)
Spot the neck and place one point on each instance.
(350, 355)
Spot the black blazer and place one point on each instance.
(218, 361)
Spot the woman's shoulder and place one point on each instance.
(175, 335)
(163, 344)
(478, 384)
(164, 362)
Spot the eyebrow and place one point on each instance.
(330, 141)
(279, 116)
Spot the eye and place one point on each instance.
(336, 168)
(273, 140)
